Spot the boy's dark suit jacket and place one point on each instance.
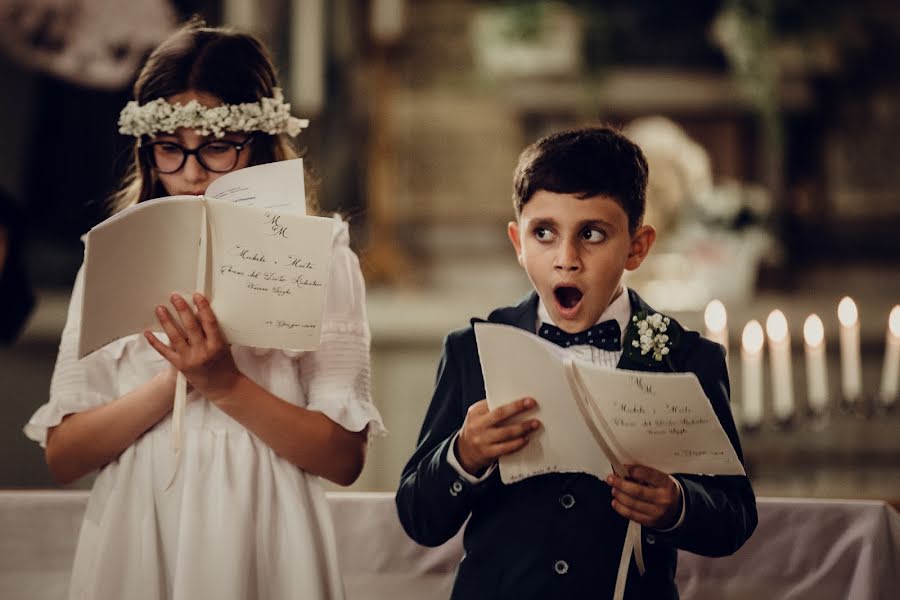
(556, 535)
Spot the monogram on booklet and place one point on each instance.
(246, 243)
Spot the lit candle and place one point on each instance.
(780, 365)
(716, 321)
(891, 370)
(751, 373)
(816, 372)
(851, 371)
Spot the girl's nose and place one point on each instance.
(193, 171)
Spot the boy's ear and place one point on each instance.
(512, 230)
(641, 242)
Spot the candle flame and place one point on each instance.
(715, 316)
(813, 330)
(894, 321)
(847, 312)
(752, 338)
(776, 326)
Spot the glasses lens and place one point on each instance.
(167, 158)
(219, 156)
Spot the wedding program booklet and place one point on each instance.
(247, 244)
(594, 418)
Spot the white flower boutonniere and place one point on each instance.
(650, 339)
(653, 337)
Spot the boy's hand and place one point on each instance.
(487, 434)
(647, 496)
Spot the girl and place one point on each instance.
(244, 516)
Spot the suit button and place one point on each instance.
(561, 567)
(651, 539)
(567, 501)
(455, 488)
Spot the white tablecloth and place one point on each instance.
(820, 549)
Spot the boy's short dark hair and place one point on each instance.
(585, 162)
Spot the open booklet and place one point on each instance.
(594, 418)
(246, 243)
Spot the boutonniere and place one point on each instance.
(650, 338)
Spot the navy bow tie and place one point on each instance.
(606, 336)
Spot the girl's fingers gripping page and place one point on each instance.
(157, 345)
(177, 337)
(208, 321)
(189, 322)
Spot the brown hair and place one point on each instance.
(232, 66)
(594, 161)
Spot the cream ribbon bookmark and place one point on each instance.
(180, 402)
(178, 412)
(593, 418)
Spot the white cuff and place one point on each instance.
(454, 462)
(683, 507)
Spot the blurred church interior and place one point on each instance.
(771, 129)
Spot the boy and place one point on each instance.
(579, 199)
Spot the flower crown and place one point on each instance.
(269, 115)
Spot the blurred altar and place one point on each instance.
(770, 129)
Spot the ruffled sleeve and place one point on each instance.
(76, 385)
(336, 377)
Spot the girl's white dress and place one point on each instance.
(237, 521)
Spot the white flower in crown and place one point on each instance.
(269, 115)
(652, 335)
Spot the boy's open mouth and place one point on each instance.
(567, 296)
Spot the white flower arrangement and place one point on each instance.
(269, 115)
(653, 337)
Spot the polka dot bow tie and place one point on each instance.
(606, 336)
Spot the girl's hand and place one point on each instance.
(647, 496)
(197, 347)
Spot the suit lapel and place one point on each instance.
(523, 315)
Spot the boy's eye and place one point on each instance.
(543, 234)
(593, 235)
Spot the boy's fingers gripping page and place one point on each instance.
(640, 507)
(509, 432)
(509, 447)
(654, 477)
(510, 410)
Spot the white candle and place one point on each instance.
(716, 321)
(780, 365)
(816, 371)
(891, 371)
(851, 370)
(751, 373)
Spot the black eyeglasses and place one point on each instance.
(216, 156)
